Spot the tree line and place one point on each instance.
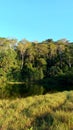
(48, 64)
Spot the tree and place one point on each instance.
(22, 46)
(69, 55)
(60, 52)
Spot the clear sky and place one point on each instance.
(36, 19)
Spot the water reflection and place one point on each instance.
(12, 90)
(20, 90)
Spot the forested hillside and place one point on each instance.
(29, 68)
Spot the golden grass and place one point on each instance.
(44, 112)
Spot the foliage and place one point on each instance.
(49, 64)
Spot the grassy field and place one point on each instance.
(44, 112)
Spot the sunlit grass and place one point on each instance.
(44, 112)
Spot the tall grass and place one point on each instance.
(44, 112)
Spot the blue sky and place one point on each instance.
(36, 19)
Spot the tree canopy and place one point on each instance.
(48, 62)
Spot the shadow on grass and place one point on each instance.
(43, 122)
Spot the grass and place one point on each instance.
(44, 112)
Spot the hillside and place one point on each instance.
(44, 112)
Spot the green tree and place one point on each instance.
(22, 46)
